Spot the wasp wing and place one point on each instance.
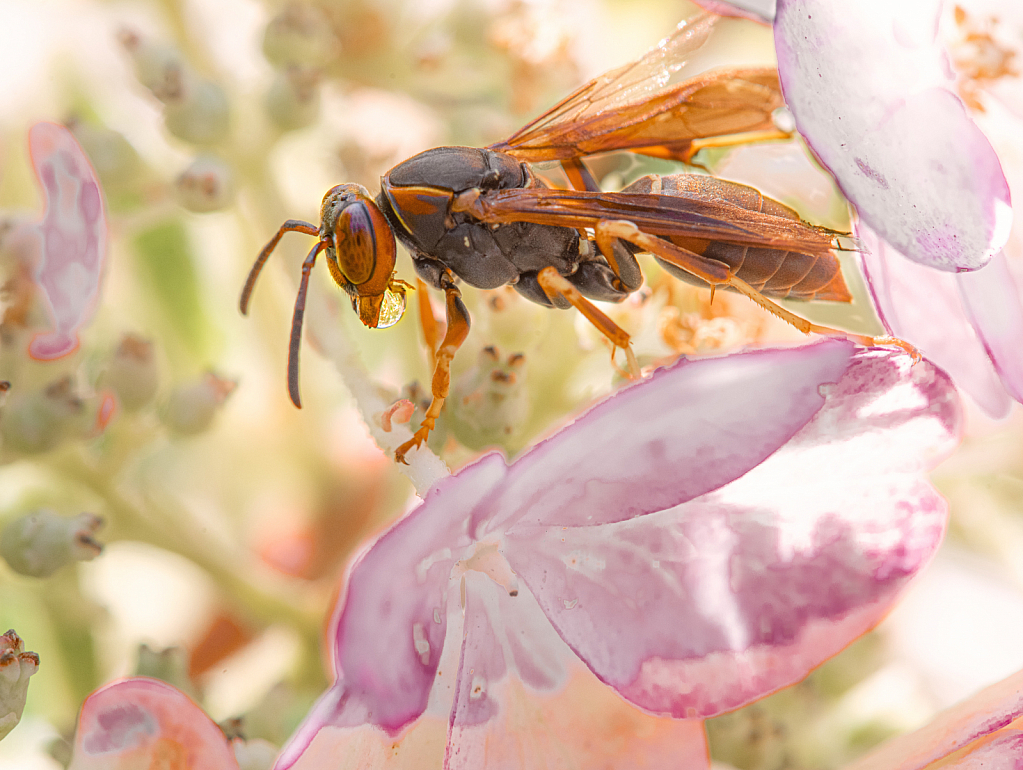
(679, 214)
(636, 108)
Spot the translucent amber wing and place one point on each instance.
(671, 215)
(638, 107)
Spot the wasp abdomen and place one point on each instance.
(775, 272)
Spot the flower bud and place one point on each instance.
(39, 544)
(159, 67)
(116, 161)
(16, 666)
(489, 404)
(38, 421)
(191, 408)
(202, 116)
(206, 185)
(299, 35)
(255, 754)
(133, 374)
(169, 665)
(293, 100)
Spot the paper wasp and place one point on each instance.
(482, 216)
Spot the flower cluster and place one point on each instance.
(593, 593)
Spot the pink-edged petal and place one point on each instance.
(755, 10)
(367, 747)
(925, 308)
(974, 719)
(992, 302)
(700, 609)
(72, 236)
(146, 723)
(684, 431)
(507, 717)
(390, 627)
(866, 83)
(1004, 751)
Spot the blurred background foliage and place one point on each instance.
(228, 516)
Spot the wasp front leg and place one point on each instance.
(457, 331)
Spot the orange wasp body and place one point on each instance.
(482, 216)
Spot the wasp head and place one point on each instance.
(361, 253)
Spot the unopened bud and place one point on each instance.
(116, 161)
(133, 374)
(169, 665)
(256, 754)
(38, 421)
(39, 544)
(16, 666)
(202, 116)
(489, 403)
(298, 35)
(159, 67)
(206, 185)
(293, 100)
(191, 408)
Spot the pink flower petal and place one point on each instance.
(366, 746)
(393, 619)
(144, 722)
(755, 10)
(992, 302)
(72, 233)
(1003, 752)
(955, 728)
(673, 433)
(702, 608)
(866, 83)
(500, 722)
(925, 308)
(685, 611)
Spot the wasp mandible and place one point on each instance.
(481, 215)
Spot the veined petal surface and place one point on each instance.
(702, 608)
(867, 85)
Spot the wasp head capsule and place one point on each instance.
(360, 254)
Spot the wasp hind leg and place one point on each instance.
(556, 285)
(457, 331)
(719, 274)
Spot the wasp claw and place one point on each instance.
(895, 342)
(413, 443)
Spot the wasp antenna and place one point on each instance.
(296, 324)
(292, 225)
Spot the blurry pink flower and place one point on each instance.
(697, 541)
(984, 733)
(869, 86)
(146, 723)
(71, 238)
